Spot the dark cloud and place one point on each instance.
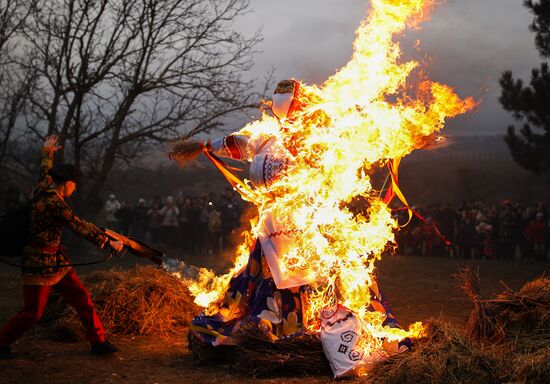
(469, 43)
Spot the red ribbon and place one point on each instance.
(394, 191)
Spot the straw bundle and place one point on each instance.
(299, 355)
(444, 356)
(253, 354)
(140, 301)
(521, 318)
(506, 339)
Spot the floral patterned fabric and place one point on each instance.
(43, 260)
(252, 297)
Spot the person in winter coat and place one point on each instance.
(154, 219)
(111, 207)
(46, 268)
(169, 214)
(139, 224)
(535, 234)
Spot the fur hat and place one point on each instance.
(64, 172)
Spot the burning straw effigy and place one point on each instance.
(307, 263)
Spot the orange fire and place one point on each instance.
(368, 113)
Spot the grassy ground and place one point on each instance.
(417, 288)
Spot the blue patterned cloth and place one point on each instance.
(252, 297)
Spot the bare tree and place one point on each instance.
(13, 14)
(115, 74)
(14, 83)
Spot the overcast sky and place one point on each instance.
(469, 43)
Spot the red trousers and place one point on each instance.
(35, 299)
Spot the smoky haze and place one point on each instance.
(466, 44)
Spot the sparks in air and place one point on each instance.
(375, 110)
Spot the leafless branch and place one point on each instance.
(113, 75)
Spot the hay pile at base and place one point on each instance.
(142, 301)
(506, 340)
(253, 354)
(523, 316)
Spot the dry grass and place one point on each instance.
(523, 316)
(301, 355)
(254, 355)
(141, 301)
(506, 340)
(445, 355)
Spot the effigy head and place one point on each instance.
(299, 105)
(285, 98)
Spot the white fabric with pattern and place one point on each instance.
(269, 159)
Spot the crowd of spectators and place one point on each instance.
(470, 230)
(474, 230)
(188, 223)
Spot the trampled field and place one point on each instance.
(417, 288)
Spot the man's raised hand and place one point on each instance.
(50, 144)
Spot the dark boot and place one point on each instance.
(104, 348)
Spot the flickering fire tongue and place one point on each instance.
(369, 112)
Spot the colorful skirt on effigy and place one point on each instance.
(252, 297)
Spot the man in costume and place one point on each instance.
(265, 293)
(45, 266)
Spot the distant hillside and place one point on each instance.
(470, 168)
(467, 148)
(466, 168)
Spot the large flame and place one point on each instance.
(371, 111)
